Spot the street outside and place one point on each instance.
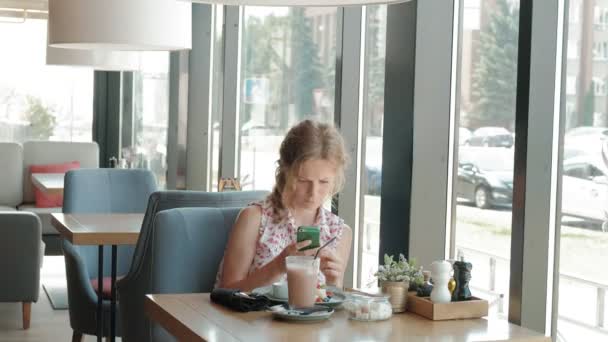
(485, 233)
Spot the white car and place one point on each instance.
(585, 188)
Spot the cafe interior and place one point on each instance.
(135, 134)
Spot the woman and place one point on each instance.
(310, 171)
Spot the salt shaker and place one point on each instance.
(441, 276)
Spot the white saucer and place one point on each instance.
(336, 300)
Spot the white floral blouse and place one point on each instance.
(274, 237)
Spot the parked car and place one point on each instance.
(491, 137)
(584, 140)
(585, 188)
(486, 179)
(464, 134)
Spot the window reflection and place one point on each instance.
(287, 75)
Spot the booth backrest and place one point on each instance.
(11, 179)
(55, 152)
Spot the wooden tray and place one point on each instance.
(474, 308)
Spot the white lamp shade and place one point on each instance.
(98, 60)
(298, 3)
(128, 25)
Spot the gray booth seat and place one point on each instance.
(99, 191)
(143, 276)
(21, 252)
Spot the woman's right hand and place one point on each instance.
(293, 249)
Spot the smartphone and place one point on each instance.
(308, 233)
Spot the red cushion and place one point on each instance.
(51, 201)
(106, 293)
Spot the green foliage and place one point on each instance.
(588, 107)
(41, 118)
(305, 65)
(495, 74)
(401, 270)
(282, 50)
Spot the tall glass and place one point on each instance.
(302, 281)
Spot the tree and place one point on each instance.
(41, 118)
(588, 107)
(305, 65)
(281, 49)
(260, 57)
(495, 75)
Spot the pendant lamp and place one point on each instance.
(120, 25)
(95, 59)
(298, 3)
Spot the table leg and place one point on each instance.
(100, 295)
(113, 295)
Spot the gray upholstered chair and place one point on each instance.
(21, 253)
(99, 191)
(186, 247)
(144, 274)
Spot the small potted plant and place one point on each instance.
(395, 279)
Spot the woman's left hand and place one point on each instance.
(332, 267)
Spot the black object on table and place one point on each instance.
(462, 275)
(239, 301)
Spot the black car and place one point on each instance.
(486, 179)
(491, 137)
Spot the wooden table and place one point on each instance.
(100, 230)
(192, 317)
(49, 183)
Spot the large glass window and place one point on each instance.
(287, 75)
(483, 181)
(40, 102)
(216, 102)
(147, 147)
(373, 114)
(583, 282)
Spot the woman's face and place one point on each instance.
(313, 184)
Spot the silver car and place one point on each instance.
(585, 188)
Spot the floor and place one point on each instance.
(46, 324)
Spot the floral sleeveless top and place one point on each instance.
(274, 237)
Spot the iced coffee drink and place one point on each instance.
(302, 281)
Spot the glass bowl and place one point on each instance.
(368, 308)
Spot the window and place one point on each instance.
(483, 189)
(576, 171)
(287, 75)
(40, 102)
(599, 86)
(600, 18)
(600, 50)
(148, 147)
(583, 228)
(373, 115)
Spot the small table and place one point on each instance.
(100, 230)
(49, 183)
(193, 317)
